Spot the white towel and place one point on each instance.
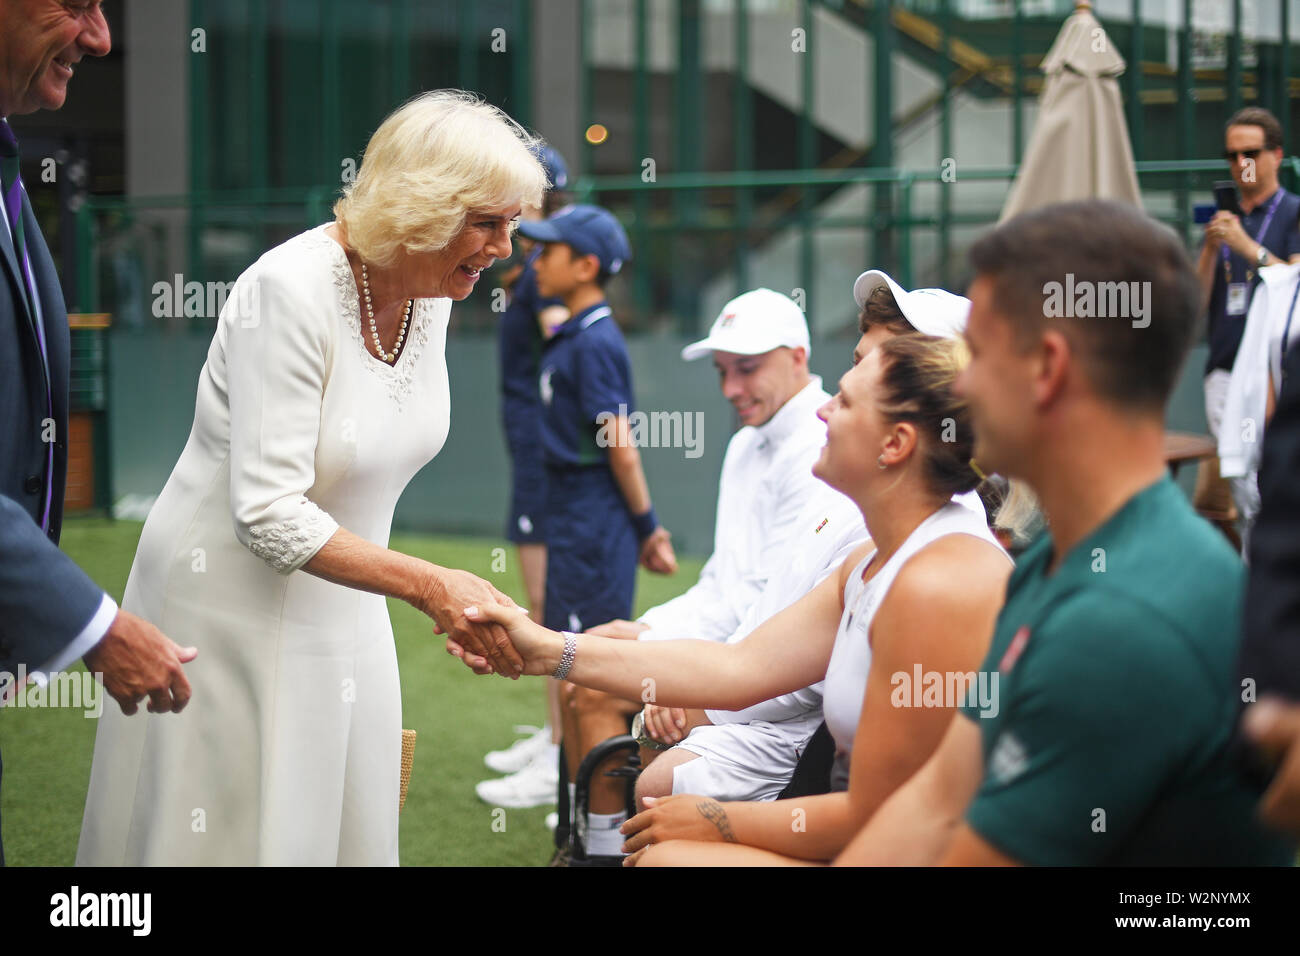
(1242, 432)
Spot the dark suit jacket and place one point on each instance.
(45, 599)
(1270, 651)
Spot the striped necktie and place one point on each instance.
(11, 182)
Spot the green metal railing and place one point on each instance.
(901, 185)
(270, 213)
(300, 83)
(1166, 111)
(1026, 40)
(307, 73)
(248, 208)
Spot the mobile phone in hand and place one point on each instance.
(1225, 196)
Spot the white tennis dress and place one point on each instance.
(289, 751)
(846, 674)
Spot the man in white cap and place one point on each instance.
(760, 347)
(887, 309)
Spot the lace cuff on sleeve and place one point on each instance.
(288, 545)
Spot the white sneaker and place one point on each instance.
(519, 754)
(534, 786)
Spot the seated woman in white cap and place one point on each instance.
(886, 309)
(752, 754)
(900, 616)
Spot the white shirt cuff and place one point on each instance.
(90, 635)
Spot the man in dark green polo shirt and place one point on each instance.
(1115, 653)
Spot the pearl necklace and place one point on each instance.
(388, 357)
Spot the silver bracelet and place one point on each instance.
(566, 659)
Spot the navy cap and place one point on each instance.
(590, 230)
(557, 172)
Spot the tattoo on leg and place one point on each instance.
(712, 811)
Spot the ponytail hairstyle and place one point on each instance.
(917, 377)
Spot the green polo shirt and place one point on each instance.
(1117, 699)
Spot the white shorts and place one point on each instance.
(752, 761)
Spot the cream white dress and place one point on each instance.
(289, 751)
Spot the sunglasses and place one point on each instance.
(1231, 154)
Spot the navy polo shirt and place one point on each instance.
(1283, 240)
(519, 339)
(585, 371)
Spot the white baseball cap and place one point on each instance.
(758, 321)
(930, 311)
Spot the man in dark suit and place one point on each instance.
(1270, 649)
(51, 613)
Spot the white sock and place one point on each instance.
(572, 790)
(603, 838)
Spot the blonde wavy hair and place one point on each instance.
(435, 159)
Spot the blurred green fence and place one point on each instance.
(718, 97)
(137, 257)
(127, 246)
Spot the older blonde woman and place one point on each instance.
(324, 391)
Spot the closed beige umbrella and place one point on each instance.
(1080, 147)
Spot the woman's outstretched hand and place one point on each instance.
(538, 647)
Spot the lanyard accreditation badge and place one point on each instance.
(1238, 292)
(1236, 304)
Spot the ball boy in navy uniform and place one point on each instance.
(524, 327)
(599, 516)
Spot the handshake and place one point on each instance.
(491, 634)
(485, 628)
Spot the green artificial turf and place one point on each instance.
(458, 717)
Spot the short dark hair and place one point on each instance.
(1258, 116)
(1105, 247)
(882, 309)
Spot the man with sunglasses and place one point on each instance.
(1235, 249)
